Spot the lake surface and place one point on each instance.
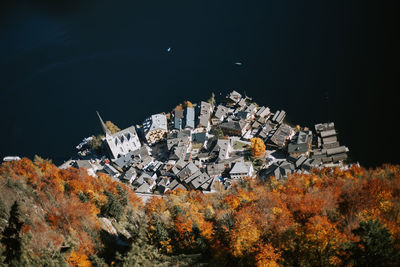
(60, 62)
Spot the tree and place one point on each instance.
(257, 147)
(96, 144)
(113, 207)
(376, 246)
(218, 133)
(211, 100)
(11, 235)
(112, 127)
(188, 104)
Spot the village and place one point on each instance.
(206, 145)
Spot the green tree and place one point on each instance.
(113, 207)
(96, 144)
(218, 133)
(12, 240)
(376, 246)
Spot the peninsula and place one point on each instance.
(196, 146)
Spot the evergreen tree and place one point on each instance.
(113, 207)
(376, 246)
(11, 236)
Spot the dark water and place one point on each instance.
(62, 60)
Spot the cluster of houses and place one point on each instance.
(197, 146)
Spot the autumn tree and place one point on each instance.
(188, 104)
(257, 147)
(211, 100)
(112, 127)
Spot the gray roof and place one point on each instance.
(199, 137)
(300, 161)
(221, 111)
(281, 134)
(222, 147)
(127, 176)
(242, 102)
(179, 141)
(336, 150)
(85, 164)
(300, 143)
(234, 125)
(178, 123)
(329, 140)
(234, 96)
(328, 133)
(190, 118)
(215, 169)
(205, 113)
(241, 167)
(251, 108)
(279, 169)
(143, 188)
(324, 126)
(199, 180)
(243, 114)
(188, 170)
(262, 112)
(155, 122)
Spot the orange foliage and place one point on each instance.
(257, 147)
(78, 259)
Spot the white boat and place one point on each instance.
(238, 63)
(169, 49)
(11, 158)
(84, 142)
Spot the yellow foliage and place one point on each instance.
(78, 259)
(257, 147)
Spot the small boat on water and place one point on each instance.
(169, 49)
(84, 142)
(11, 158)
(238, 63)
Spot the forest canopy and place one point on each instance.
(329, 217)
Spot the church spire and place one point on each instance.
(103, 125)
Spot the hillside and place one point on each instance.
(330, 217)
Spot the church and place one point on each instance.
(120, 143)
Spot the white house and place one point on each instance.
(241, 170)
(122, 142)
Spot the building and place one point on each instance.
(252, 109)
(279, 116)
(220, 114)
(283, 133)
(243, 115)
(222, 148)
(279, 169)
(263, 112)
(129, 176)
(178, 118)
(233, 98)
(237, 128)
(189, 118)
(205, 115)
(241, 170)
(155, 128)
(300, 144)
(120, 143)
